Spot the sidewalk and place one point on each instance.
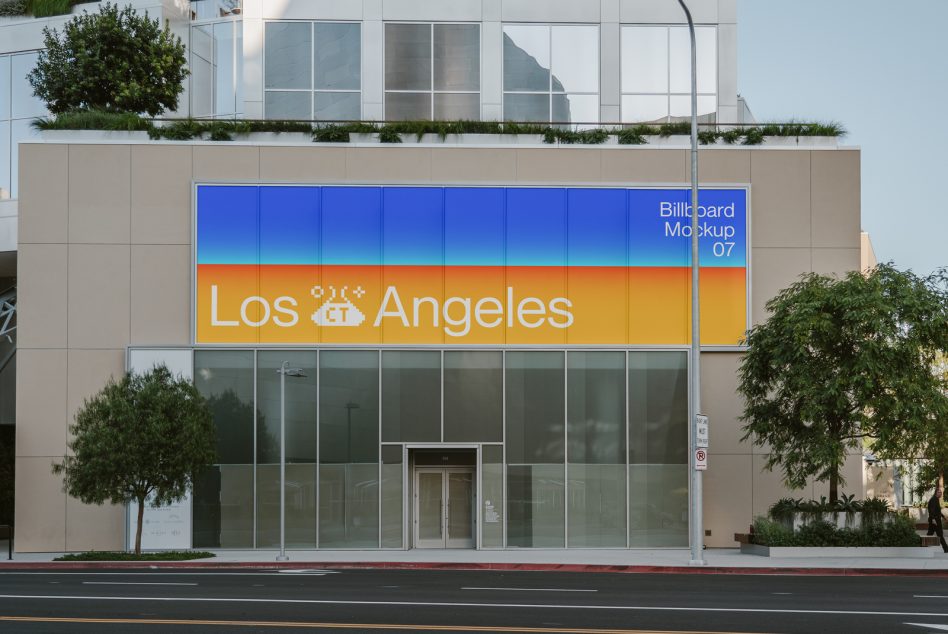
(719, 560)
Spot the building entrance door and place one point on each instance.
(444, 507)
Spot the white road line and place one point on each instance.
(458, 604)
(134, 583)
(162, 574)
(532, 589)
(929, 596)
(931, 626)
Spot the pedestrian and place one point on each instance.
(934, 518)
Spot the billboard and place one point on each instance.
(440, 265)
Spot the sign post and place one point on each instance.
(701, 459)
(701, 432)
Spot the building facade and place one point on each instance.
(489, 336)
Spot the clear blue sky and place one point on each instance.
(881, 69)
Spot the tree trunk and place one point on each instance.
(834, 486)
(138, 533)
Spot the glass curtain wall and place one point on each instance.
(432, 71)
(313, 70)
(658, 449)
(18, 108)
(217, 70)
(596, 449)
(656, 73)
(551, 73)
(579, 449)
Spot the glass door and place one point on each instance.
(444, 507)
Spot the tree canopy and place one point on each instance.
(113, 60)
(845, 361)
(144, 435)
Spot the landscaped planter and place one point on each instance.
(837, 519)
(455, 139)
(93, 135)
(908, 552)
(801, 141)
(274, 137)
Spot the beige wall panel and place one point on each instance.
(161, 295)
(226, 162)
(483, 165)
(769, 487)
(91, 527)
(40, 402)
(88, 372)
(645, 166)
(303, 164)
(161, 194)
(837, 262)
(568, 165)
(99, 193)
(724, 166)
(853, 472)
(98, 296)
(44, 189)
(40, 507)
(727, 498)
(772, 270)
(41, 296)
(780, 198)
(720, 401)
(835, 198)
(388, 164)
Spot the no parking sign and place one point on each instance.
(701, 459)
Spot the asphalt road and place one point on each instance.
(463, 601)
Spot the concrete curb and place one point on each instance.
(392, 565)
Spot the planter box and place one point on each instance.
(93, 135)
(274, 137)
(909, 552)
(801, 141)
(837, 519)
(455, 139)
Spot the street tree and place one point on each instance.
(115, 60)
(842, 362)
(141, 439)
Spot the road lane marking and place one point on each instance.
(347, 626)
(135, 583)
(531, 589)
(192, 573)
(931, 626)
(930, 596)
(461, 604)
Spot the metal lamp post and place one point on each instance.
(695, 509)
(284, 372)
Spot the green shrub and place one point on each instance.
(13, 7)
(114, 60)
(899, 531)
(94, 120)
(171, 555)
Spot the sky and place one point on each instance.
(880, 68)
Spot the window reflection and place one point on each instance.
(656, 73)
(551, 73)
(216, 69)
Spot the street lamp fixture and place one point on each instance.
(284, 372)
(695, 508)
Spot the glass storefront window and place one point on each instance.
(349, 449)
(492, 496)
(551, 73)
(393, 520)
(658, 448)
(313, 70)
(300, 431)
(432, 71)
(223, 494)
(473, 396)
(411, 396)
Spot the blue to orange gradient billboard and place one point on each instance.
(466, 265)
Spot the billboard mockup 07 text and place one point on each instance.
(433, 265)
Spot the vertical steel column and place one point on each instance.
(283, 369)
(695, 508)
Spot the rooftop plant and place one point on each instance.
(38, 8)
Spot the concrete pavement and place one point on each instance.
(654, 560)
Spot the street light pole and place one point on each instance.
(695, 509)
(295, 372)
